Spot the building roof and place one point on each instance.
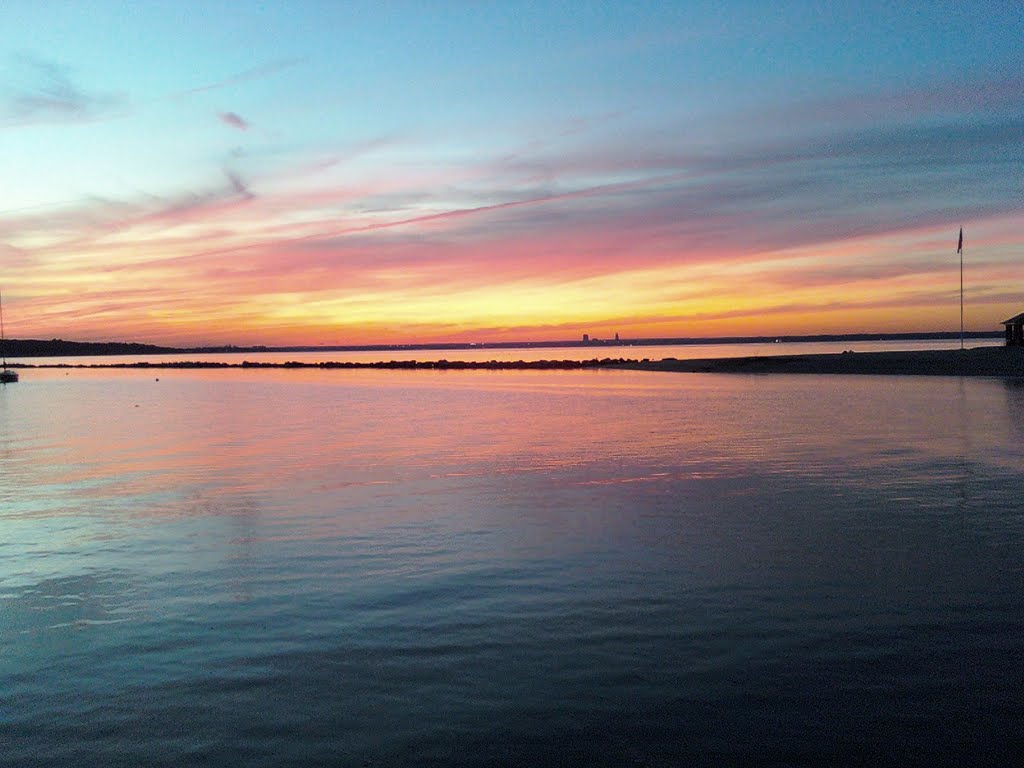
(1015, 320)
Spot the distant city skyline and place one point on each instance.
(195, 174)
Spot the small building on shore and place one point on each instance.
(1015, 330)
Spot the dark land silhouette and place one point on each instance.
(1006, 362)
(979, 361)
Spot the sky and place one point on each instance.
(231, 172)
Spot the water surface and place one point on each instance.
(508, 568)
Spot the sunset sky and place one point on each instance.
(334, 173)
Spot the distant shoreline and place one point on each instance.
(20, 348)
(1005, 362)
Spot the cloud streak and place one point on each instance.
(248, 75)
(37, 91)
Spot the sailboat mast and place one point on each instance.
(3, 339)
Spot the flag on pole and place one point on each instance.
(960, 250)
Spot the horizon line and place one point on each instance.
(552, 343)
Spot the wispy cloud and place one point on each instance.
(239, 186)
(255, 73)
(35, 90)
(996, 94)
(152, 218)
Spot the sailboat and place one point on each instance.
(6, 376)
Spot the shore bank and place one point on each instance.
(1006, 362)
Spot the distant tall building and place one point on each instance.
(616, 336)
(586, 338)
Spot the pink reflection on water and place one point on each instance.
(350, 451)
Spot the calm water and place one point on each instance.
(509, 568)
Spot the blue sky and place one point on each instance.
(321, 172)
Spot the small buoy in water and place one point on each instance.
(158, 378)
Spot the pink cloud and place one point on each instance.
(234, 120)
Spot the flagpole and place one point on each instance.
(960, 250)
(962, 298)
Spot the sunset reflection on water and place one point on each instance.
(595, 558)
(331, 432)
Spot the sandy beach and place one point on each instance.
(980, 361)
